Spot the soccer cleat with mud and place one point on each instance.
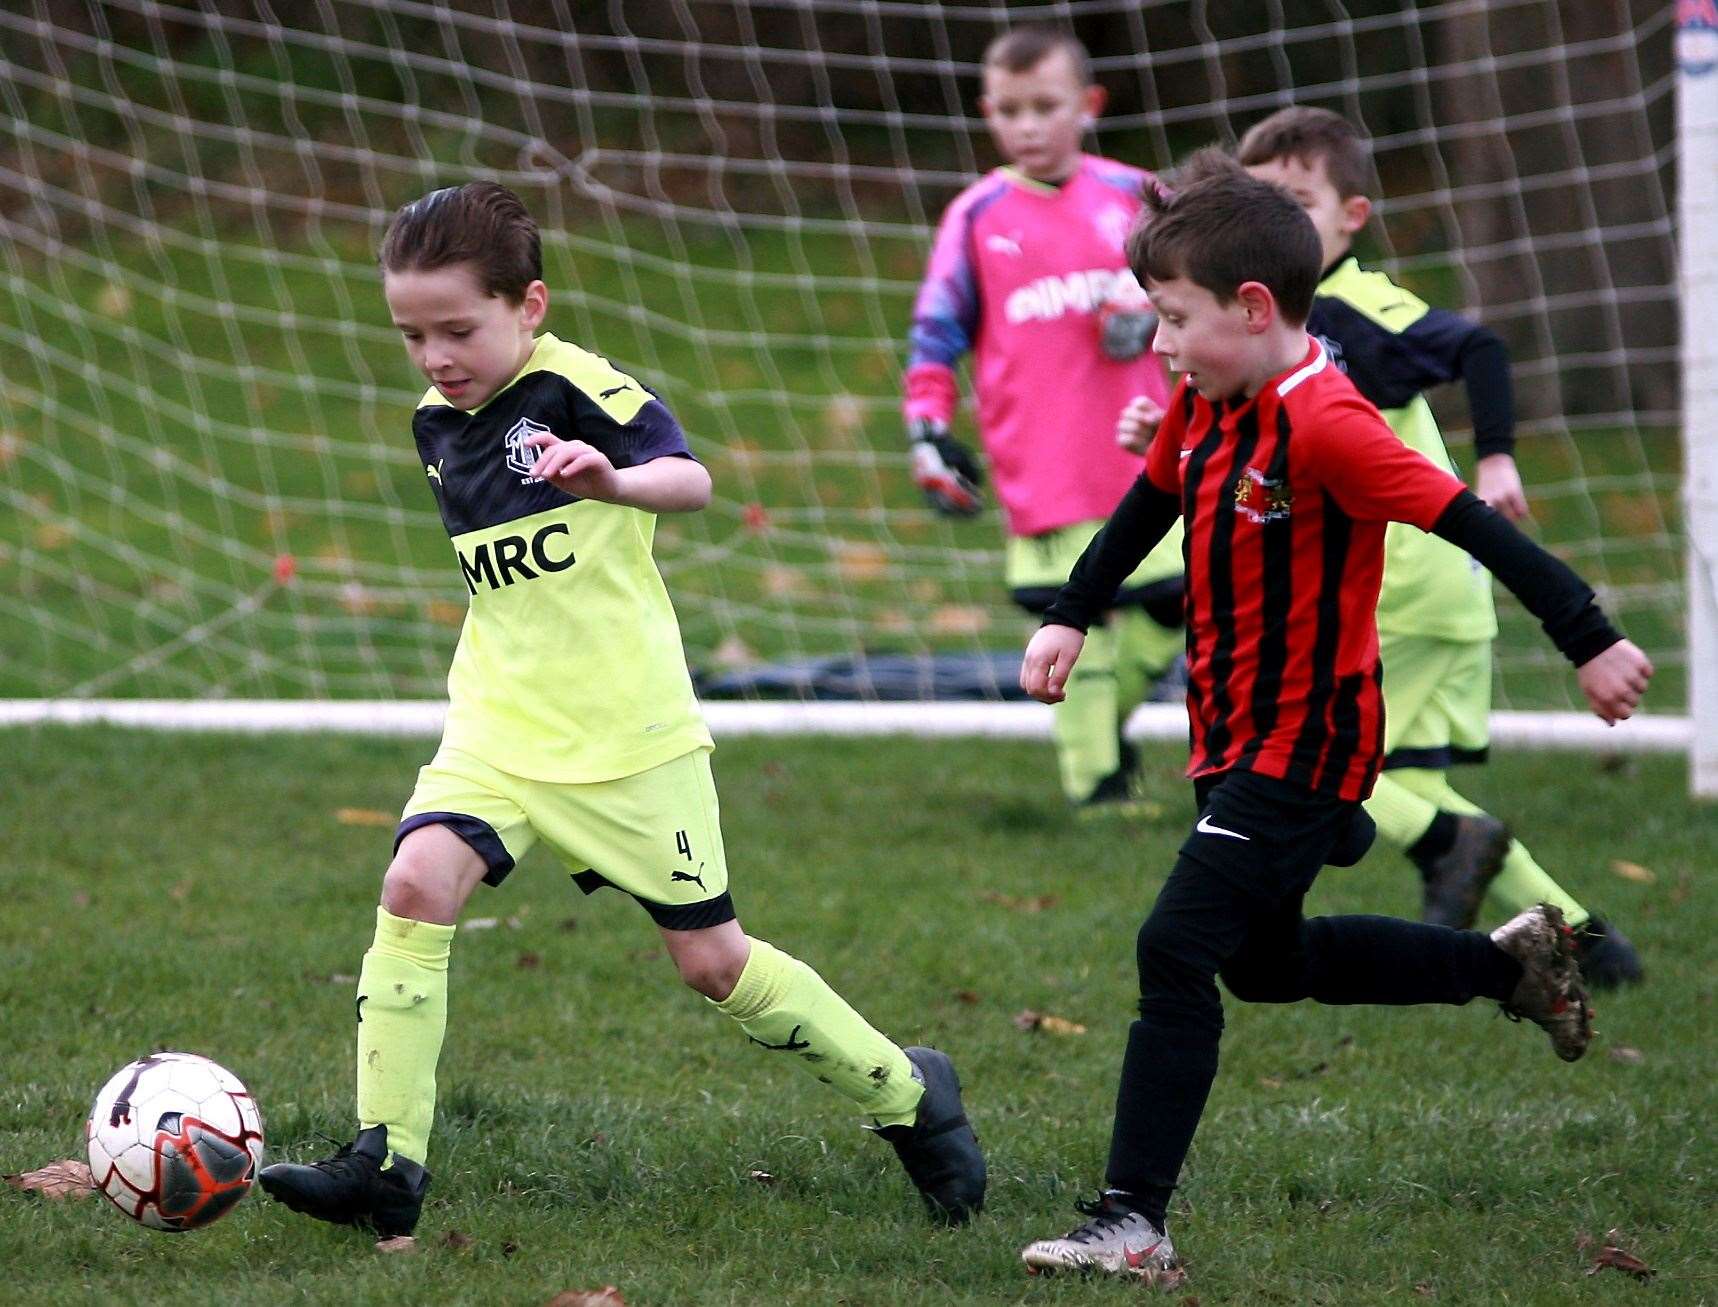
(1116, 1240)
(1549, 993)
(352, 1188)
(1606, 957)
(1457, 879)
(939, 1150)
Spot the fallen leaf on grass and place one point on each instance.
(530, 961)
(607, 1296)
(1423, 1290)
(508, 1248)
(1030, 904)
(444, 612)
(733, 652)
(456, 1241)
(960, 619)
(52, 535)
(67, 1179)
(967, 996)
(1271, 1082)
(1029, 1021)
(1625, 1054)
(400, 1243)
(1633, 871)
(859, 560)
(364, 817)
(762, 1177)
(1614, 1256)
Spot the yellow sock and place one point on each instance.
(784, 1005)
(1402, 816)
(1085, 724)
(402, 1016)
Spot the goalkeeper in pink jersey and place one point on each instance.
(1028, 273)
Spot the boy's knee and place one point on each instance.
(1171, 982)
(417, 887)
(713, 965)
(714, 978)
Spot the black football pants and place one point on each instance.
(1232, 908)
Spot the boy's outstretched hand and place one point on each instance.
(1614, 681)
(1050, 657)
(1137, 423)
(1497, 481)
(573, 466)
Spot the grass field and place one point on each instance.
(598, 1124)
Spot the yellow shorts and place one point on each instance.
(1035, 567)
(1437, 701)
(656, 835)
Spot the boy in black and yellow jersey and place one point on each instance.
(571, 720)
(1436, 622)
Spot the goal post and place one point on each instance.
(1697, 221)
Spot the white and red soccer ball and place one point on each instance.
(175, 1141)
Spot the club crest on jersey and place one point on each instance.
(1260, 498)
(520, 456)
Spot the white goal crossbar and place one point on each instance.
(1647, 733)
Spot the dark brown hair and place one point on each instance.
(1221, 227)
(1021, 49)
(1309, 135)
(481, 223)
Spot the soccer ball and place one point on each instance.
(174, 1141)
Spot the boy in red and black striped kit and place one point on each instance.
(1285, 477)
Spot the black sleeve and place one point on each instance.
(1444, 346)
(1546, 586)
(1490, 394)
(1143, 517)
(650, 433)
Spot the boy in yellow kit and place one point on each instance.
(1435, 616)
(571, 720)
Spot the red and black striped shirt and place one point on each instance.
(1285, 497)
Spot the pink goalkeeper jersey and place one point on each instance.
(1020, 274)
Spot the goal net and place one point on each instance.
(208, 484)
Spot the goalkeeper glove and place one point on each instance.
(944, 469)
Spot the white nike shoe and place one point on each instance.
(1116, 1241)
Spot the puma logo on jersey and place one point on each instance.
(433, 471)
(615, 390)
(999, 244)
